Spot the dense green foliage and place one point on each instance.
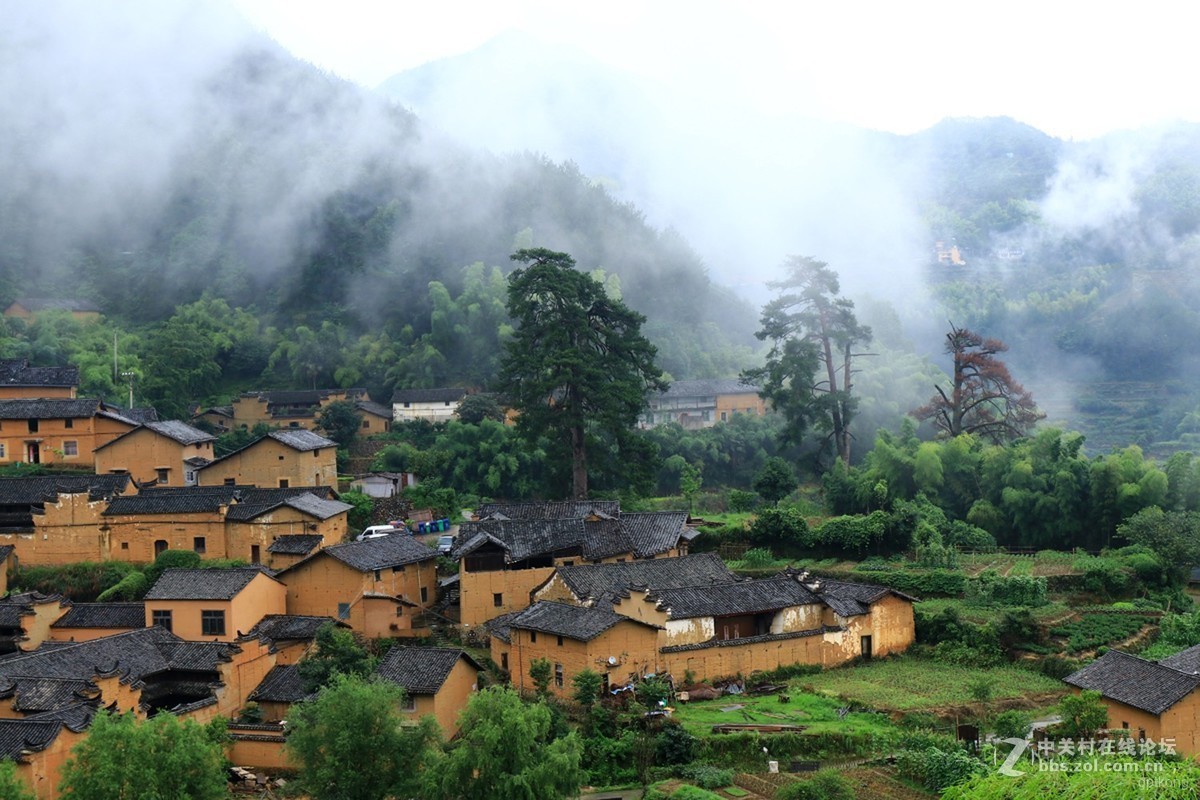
(577, 368)
(338, 652)
(505, 751)
(163, 758)
(351, 744)
(12, 787)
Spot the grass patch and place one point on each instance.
(819, 714)
(1093, 630)
(913, 684)
(735, 791)
(1054, 611)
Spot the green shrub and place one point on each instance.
(82, 582)
(1011, 724)
(740, 502)
(693, 793)
(936, 768)
(132, 587)
(823, 785)
(706, 776)
(758, 557)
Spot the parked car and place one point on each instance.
(445, 544)
(376, 532)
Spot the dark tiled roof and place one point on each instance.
(569, 509)
(709, 388)
(201, 584)
(420, 670)
(653, 533)
(603, 583)
(300, 544)
(17, 372)
(180, 432)
(49, 408)
(46, 488)
(572, 622)
(1135, 681)
(302, 440)
(170, 500)
(282, 684)
(387, 551)
(5, 551)
(132, 655)
(304, 502)
(374, 408)
(644, 535)
(103, 615)
(280, 627)
(500, 626)
(1185, 661)
(428, 395)
(33, 695)
(139, 414)
(271, 495)
(55, 304)
(21, 736)
(15, 606)
(724, 599)
(852, 599)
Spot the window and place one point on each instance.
(69, 423)
(366, 423)
(424, 594)
(163, 474)
(33, 426)
(408, 405)
(409, 704)
(560, 641)
(230, 481)
(504, 661)
(161, 618)
(558, 675)
(3, 454)
(532, 637)
(343, 611)
(446, 403)
(198, 544)
(316, 453)
(497, 599)
(399, 611)
(378, 576)
(293, 424)
(398, 569)
(255, 554)
(212, 623)
(283, 483)
(124, 545)
(723, 415)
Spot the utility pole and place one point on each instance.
(129, 375)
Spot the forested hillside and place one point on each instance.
(245, 220)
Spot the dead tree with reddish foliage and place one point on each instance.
(984, 399)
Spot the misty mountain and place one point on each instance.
(1081, 255)
(157, 152)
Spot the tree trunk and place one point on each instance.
(579, 477)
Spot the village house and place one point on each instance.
(513, 548)
(58, 430)
(29, 308)
(383, 484)
(436, 680)
(702, 403)
(435, 405)
(68, 519)
(162, 453)
(572, 639)
(19, 380)
(381, 587)
(25, 620)
(85, 621)
(213, 604)
(292, 408)
(1148, 699)
(48, 696)
(714, 629)
(282, 458)
(290, 549)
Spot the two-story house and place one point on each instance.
(58, 430)
(282, 458)
(164, 453)
(702, 403)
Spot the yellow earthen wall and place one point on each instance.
(37, 392)
(260, 597)
(258, 754)
(43, 770)
(88, 433)
(267, 462)
(732, 404)
(83, 634)
(285, 521)
(477, 590)
(633, 646)
(143, 452)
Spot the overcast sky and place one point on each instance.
(1072, 69)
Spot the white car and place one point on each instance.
(375, 532)
(445, 544)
